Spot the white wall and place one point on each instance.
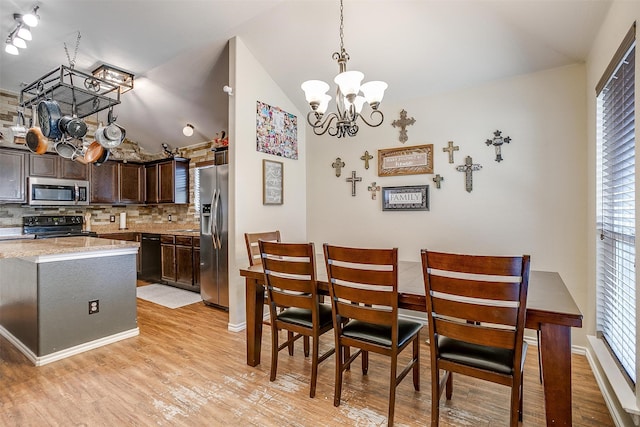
(251, 83)
(532, 202)
(621, 16)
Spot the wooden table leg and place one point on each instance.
(254, 305)
(555, 349)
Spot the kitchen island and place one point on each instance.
(63, 296)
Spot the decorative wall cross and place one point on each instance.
(497, 142)
(450, 148)
(366, 157)
(338, 165)
(353, 181)
(374, 189)
(438, 179)
(468, 169)
(402, 123)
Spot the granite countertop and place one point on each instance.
(61, 245)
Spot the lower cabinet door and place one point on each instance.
(168, 262)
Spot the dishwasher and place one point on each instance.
(151, 261)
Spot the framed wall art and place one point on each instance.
(276, 131)
(406, 198)
(413, 160)
(272, 182)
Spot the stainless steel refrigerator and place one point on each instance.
(214, 231)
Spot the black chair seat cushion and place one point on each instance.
(478, 356)
(380, 334)
(302, 316)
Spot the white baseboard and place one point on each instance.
(62, 354)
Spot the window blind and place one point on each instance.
(616, 302)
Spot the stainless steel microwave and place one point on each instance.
(57, 192)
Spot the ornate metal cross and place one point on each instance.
(402, 123)
(366, 157)
(438, 179)
(468, 168)
(353, 181)
(450, 148)
(338, 165)
(497, 142)
(374, 189)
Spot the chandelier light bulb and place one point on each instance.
(11, 49)
(18, 42)
(24, 34)
(187, 130)
(31, 18)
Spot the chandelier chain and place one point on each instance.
(341, 28)
(72, 62)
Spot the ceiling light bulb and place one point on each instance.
(11, 49)
(187, 130)
(31, 18)
(18, 42)
(24, 34)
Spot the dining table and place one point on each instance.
(550, 309)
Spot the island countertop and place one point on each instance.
(61, 245)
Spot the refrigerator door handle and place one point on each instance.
(219, 219)
(214, 219)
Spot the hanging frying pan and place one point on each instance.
(94, 152)
(103, 158)
(65, 149)
(36, 141)
(73, 126)
(49, 115)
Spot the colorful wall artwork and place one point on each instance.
(276, 131)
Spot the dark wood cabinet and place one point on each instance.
(104, 184)
(131, 183)
(181, 261)
(54, 166)
(167, 181)
(12, 176)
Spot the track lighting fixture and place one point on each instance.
(19, 36)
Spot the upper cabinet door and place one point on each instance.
(131, 181)
(12, 176)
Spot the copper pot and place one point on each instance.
(36, 141)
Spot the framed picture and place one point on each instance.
(406, 198)
(276, 131)
(272, 176)
(405, 160)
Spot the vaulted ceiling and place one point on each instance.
(177, 48)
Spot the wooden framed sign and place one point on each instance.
(407, 198)
(272, 188)
(413, 160)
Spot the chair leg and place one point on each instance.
(305, 340)
(338, 380)
(314, 365)
(365, 362)
(521, 395)
(290, 338)
(392, 388)
(449, 387)
(539, 356)
(416, 363)
(435, 395)
(515, 405)
(274, 351)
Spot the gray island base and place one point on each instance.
(46, 300)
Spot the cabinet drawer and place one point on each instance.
(184, 240)
(167, 238)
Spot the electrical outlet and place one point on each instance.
(94, 306)
(169, 218)
(112, 218)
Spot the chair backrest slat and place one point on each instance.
(476, 334)
(481, 313)
(476, 264)
(508, 290)
(251, 240)
(371, 297)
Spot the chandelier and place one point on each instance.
(349, 102)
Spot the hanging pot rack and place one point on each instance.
(76, 92)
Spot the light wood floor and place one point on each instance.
(186, 369)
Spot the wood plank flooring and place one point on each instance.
(186, 369)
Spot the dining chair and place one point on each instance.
(363, 287)
(476, 308)
(290, 279)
